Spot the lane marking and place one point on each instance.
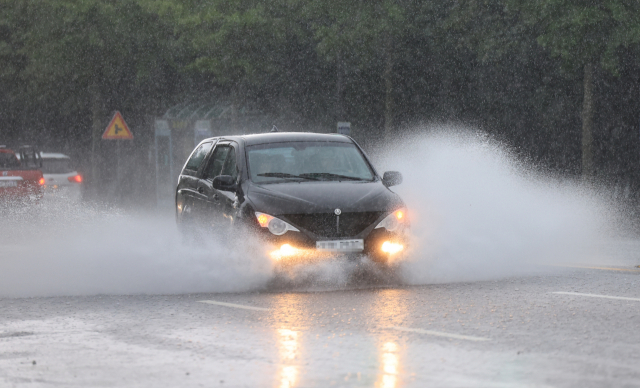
(605, 268)
(596, 296)
(592, 267)
(237, 306)
(439, 333)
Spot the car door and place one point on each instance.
(186, 194)
(208, 199)
(228, 200)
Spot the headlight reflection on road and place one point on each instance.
(390, 362)
(390, 307)
(288, 343)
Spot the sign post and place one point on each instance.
(164, 164)
(117, 130)
(344, 128)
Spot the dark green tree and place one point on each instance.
(584, 34)
(87, 57)
(235, 44)
(363, 35)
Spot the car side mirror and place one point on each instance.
(391, 178)
(224, 183)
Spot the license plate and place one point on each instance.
(8, 184)
(341, 245)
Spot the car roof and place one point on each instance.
(53, 155)
(279, 137)
(50, 155)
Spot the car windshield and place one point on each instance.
(307, 161)
(56, 166)
(8, 160)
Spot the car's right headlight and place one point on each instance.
(394, 220)
(275, 225)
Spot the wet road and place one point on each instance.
(573, 328)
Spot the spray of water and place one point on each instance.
(61, 248)
(476, 214)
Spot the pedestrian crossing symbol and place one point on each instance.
(117, 129)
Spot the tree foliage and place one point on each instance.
(582, 32)
(511, 67)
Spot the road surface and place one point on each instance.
(578, 327)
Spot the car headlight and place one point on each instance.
(393, 221)
(275, 225)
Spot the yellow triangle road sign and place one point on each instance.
(117, 129)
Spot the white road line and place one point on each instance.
(592, 267)
(237, 306)
(439, 333)
(596, 296)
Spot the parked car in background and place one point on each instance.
(20, 175)
(60, 176)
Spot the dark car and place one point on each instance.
(305, 193)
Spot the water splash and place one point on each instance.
(477, 213)
(54, 250)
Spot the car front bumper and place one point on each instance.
(379, 245)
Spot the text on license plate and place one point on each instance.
(341, 245)
(8, 184)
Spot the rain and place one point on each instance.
(303, 193)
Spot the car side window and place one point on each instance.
(230, 164)
(214, 168)
(198, 156)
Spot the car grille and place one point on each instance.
(324, 224)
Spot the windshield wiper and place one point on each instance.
(330, 175)
(285, 175)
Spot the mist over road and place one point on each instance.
(511, 279)
(490, 238)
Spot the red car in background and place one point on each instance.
(20, 179)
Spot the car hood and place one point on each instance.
(322, 197)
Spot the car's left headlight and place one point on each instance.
(275, 225)
(394, 220)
